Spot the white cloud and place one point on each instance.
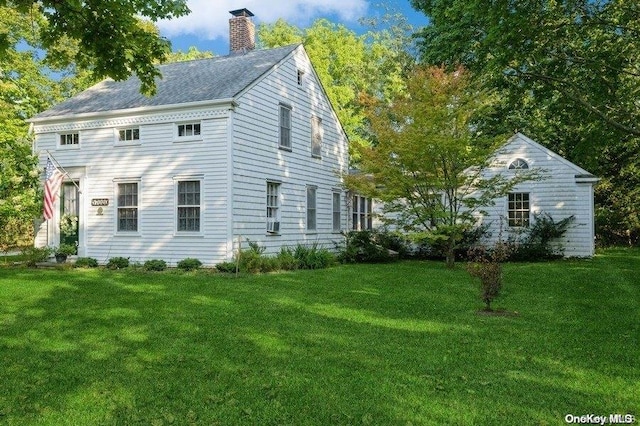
(209, 19)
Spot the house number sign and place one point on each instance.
(99, 202)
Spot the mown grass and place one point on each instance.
(363, 344)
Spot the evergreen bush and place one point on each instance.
(155, 265)
(86, 262)
(189, 264)
(118, 263)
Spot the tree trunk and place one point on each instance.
(450, 257)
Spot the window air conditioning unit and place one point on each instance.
(273, 226)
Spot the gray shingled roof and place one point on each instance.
(222, 77)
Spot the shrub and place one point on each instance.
(287, 260)
(252, 259)
(393, 241)
(189, 264)
(432, 244)
(312, 257)
(118, 263)
(86, 262)
(226, 267)
(66, 249)
(361, 247)
(155, 265)
(34, 255)
(536, 242)
(486, 265)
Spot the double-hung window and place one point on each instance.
(273, 207)
(285, 126)
(337, 217)
(188, 206)
(518, 209)
(127, 209)
(361, 209)
(311, 208)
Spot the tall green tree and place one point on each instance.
(429, 162)
(112, 39)
(349, 64)
(27, 86)
(569, 76)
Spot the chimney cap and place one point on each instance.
(241, 12)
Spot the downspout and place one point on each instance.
(230, 148)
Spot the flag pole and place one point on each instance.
(64, 172)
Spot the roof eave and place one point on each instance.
(231, 102)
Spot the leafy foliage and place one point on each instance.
(429, 163)
(365, 247)
(313, 257)
(253, 259)
(35, 255)
(567, 75)
(189, 264)
(118, 263)
(110, 37)
(540, 240)
(86, 262)
(66, 249)
(486, 265)
(155, 265)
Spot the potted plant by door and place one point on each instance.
(63, 251)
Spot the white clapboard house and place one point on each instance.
(565, 190)
(240, 147)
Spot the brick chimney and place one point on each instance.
(242, 32)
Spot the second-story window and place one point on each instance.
(129, 135)
(69, 139)
(188, 130)
(285, 126)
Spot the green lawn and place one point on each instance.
(365, 344)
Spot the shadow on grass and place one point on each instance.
(371, 344)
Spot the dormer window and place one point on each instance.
(518, 164)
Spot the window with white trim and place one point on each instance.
(316, 136)
(361, 211)
(311, 208)
(300, 77)
(285, 127)
(69, 139)
(518, 164)
(188, 130)
(188, 206)
(337, 216)
(129, 135)
(518, 209)
(273, 207)
(127, 207)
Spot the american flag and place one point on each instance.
(53, 180)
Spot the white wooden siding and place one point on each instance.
(558, 194)
(257, 159)
(156, 161)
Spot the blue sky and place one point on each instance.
(206, 27)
